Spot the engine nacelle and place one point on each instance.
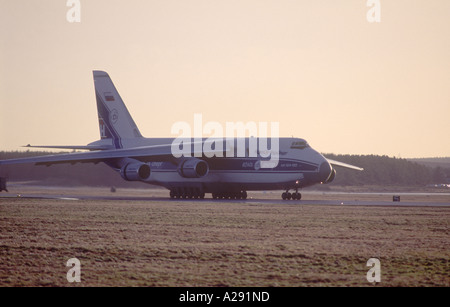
(193, 168)
(331, 177)
(135, 171)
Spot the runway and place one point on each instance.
(309, 198)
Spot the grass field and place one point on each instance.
(188, 243)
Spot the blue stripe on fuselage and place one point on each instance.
(245, 165)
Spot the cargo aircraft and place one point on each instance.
(226, 176)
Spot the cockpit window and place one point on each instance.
(299, 144)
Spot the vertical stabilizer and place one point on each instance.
(115, 121)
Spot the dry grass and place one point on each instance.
(170, 243)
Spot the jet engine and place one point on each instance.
(193, 168)
(135, 171)
(331, 177)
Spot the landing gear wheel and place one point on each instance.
(296, 196)
(288, 196)
(244, 194)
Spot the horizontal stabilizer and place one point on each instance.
(88, 147)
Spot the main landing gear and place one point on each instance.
(230, 195)
(294, 196)
(196, 193)
(187, 193)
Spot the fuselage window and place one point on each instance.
(299, 145)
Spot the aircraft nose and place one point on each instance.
(325, 170)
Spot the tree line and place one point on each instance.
(378, 170)
(384, 170)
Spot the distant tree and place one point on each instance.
(439, 176)
(381, 170)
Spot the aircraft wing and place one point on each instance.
(341, 164)
(143, 154)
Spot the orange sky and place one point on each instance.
(317, 67)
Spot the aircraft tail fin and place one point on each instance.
(115, 121)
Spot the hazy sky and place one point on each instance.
(317, 67)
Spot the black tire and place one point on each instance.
(244, 194)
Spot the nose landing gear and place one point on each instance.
(294, 196)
